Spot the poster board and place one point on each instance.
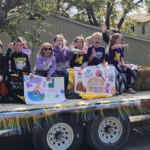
(40, 91)
(95, 79)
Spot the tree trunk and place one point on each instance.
(126, 11)
(91, 15)
(108, 13)
(58, 5)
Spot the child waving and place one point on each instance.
(79, 57)
(63, 56)
(45, 61)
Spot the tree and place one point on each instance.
(96, 12)
(36, 10)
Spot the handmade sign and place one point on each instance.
(95, 79)
(40, 91)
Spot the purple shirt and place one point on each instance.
(99, 55)
(26, 51)
(115, 56)
(41, 64)
(62, 58)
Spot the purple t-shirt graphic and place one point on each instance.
(98, 56)
(115, 56)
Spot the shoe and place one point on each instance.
(117, 93)
(131, 91)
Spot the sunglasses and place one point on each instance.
(47, 49)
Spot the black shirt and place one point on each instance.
(19, 61)
(3, 66)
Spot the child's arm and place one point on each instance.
(4, 70)
(28, 64)
(122, 62)
(10, 46)
(85, 64)
(105, 36)
(58, 54)
(92, 55)
(104, 63)
(69, 54)
(39, 63)
(52, 68)
(120, 46)
(77, 51)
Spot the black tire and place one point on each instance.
(87, 135)
(40, 138)
(120, 131)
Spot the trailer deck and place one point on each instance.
(144, 96)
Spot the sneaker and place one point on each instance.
(131, 91)
(117, 93)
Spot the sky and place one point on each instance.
(142, 10)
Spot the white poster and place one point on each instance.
(40, 91)
(95, 79)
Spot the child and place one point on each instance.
(19, 61)
(25, 50)
(88, 41)
(3, 72)
(116, 57)
(20, 66)
(45, 62)
(79, 59)
(96, 53)
(63, 56)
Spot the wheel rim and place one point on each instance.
(110, 130)
(60, 136)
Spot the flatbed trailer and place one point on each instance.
(103, 123)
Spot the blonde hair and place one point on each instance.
(60, 36)
(41, 49)
(1, 44)
(97, 34)
(89, 39)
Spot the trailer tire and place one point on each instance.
(111, 132)
(67, 135)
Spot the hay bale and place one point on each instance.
(142, 82)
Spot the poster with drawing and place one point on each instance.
(40, 91)
(95, 79)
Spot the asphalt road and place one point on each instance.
(139, 138)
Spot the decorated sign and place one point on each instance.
(40, 91)
(95, 79)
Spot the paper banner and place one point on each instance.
(95, 79)
(39, 91)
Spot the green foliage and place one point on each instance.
(96, 12)
(35, 10)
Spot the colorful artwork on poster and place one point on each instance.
(95, 80)
(39, 91)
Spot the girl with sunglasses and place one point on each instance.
(45, 62)
(63, 56)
